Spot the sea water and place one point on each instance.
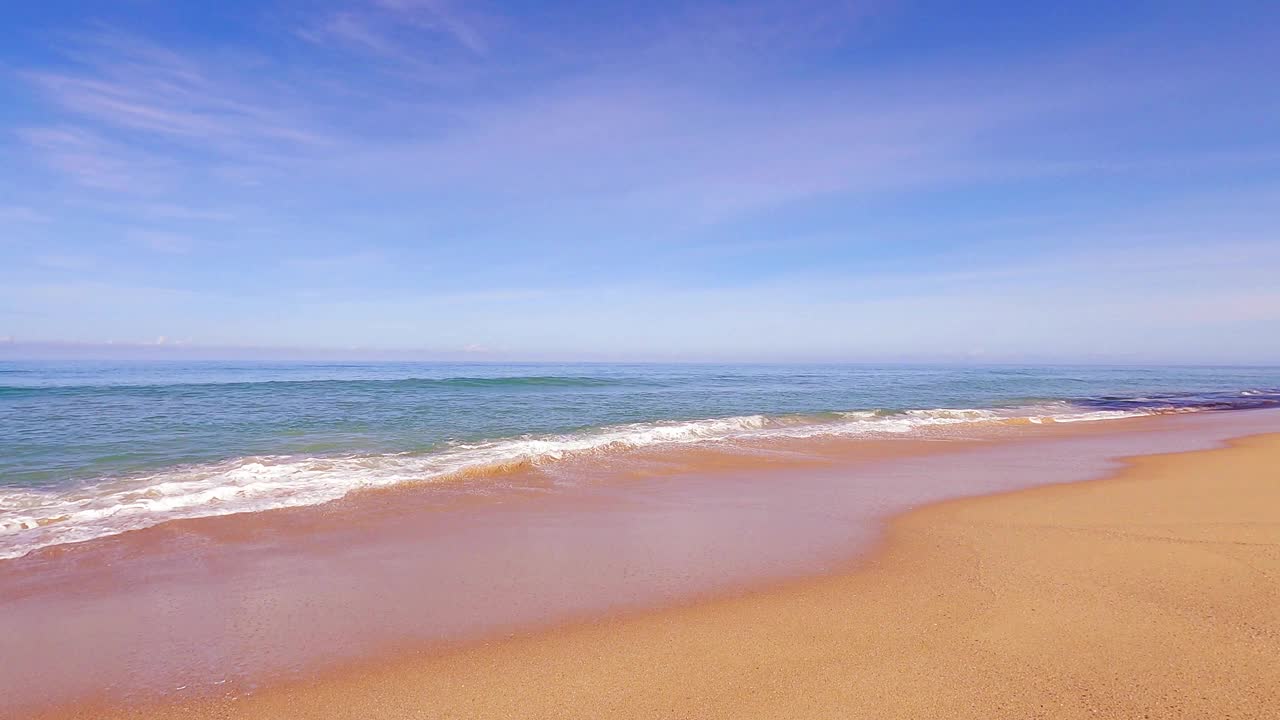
(90, 449)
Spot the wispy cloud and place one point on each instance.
(133, 84)
(438, 15)
(478, 169)
(94, 161)
(412, 32)
(630, 131)
(138, 117)
(672, 149)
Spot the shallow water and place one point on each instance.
(92, 449)
(223, 605)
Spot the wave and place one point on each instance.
(1251, 399)
(34, 518)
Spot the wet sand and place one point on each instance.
(1152, 593)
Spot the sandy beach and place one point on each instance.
(436, 359)
(1153, 593)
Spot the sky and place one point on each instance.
(758, 180)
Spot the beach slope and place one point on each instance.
(1151, 594)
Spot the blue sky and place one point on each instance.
(693, 181)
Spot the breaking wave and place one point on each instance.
(32, 518)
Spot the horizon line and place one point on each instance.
(72, 350)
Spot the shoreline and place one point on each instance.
(43, 520)
(619, 667)
(869, 557)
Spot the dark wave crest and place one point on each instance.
(1255, 399)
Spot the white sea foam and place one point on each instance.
(30, 519)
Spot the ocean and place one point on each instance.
(92, 449)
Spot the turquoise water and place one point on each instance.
(88, 449)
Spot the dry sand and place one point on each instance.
(1152, 594)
